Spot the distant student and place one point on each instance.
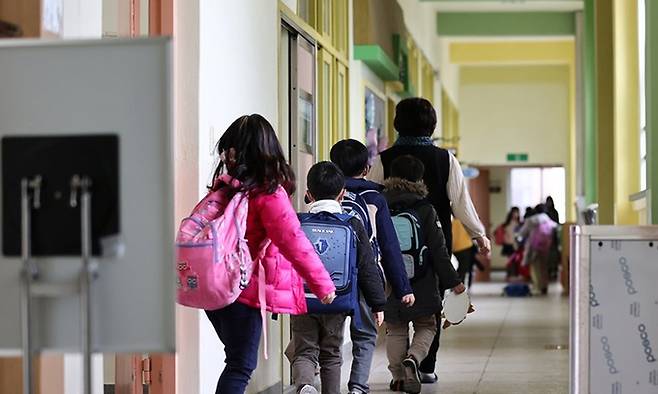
(539, 232)
(464, 250)
(364, 198)
(318, 338)
(428, 265)
(252, 162)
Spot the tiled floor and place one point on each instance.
(499, 349)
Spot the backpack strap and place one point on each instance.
(262, 296)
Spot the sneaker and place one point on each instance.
(307, 389)
(412, 383)
(397, 385)
(428, 378)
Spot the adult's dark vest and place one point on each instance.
(437, 171)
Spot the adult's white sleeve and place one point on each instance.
(376, 173)
(462, 205)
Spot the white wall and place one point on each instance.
(448, 72)
(420, 19)
(360, 75)
(514, 109)
(238, 43)
(82, 18)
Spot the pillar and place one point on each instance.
(652, 109)
(589, 98)
(605, 151)
(627, 111)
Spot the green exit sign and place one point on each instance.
(517, 157)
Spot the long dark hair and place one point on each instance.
(510, 214)
(250, 152)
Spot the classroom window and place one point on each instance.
(532, 185)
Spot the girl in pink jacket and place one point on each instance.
(251, 154)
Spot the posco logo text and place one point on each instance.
(644, 336)
(593, 302)
(609, 357)
(626, 273)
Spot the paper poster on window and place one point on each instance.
(376, 139)
(52, 16)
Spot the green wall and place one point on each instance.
(505, 24)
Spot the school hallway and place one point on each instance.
(502, 348)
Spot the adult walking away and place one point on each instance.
(415, 121)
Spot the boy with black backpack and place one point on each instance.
(343, 246)
(364, 199)
(428, 266)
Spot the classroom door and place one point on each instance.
(298, 125)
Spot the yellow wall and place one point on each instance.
(514, 109)
(513, 52)
(627, 122)
(560, 52)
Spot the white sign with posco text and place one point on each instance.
(623, 297)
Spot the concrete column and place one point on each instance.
(186, 168)
(652, 109)
(589, 102)
(605, 119)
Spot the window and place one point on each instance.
(530, 186)
(643, 98)
(341, 102)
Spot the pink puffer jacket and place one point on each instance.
(289, 258)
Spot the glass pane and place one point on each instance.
(341, 105)
(306, 93)
(326, 99)
(304, 9)
(643, 174)
(553, 184)
(326, 16)
(306, 122)
(525, 184)
(642, 57)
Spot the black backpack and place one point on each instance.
(408, 229)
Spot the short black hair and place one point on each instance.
(415, 117)
(350, 156)
(408, 167)
(325, 181)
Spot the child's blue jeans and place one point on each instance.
(239, 328)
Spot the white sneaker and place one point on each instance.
(307, 389)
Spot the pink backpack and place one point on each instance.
(213, 261)
(541, 238)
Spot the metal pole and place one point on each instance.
(26, 303)
(85, 282)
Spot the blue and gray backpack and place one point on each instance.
(355, 204)
(410, 236)
(335, 242)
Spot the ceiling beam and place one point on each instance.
(520, 24)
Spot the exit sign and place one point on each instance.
(517, 157)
